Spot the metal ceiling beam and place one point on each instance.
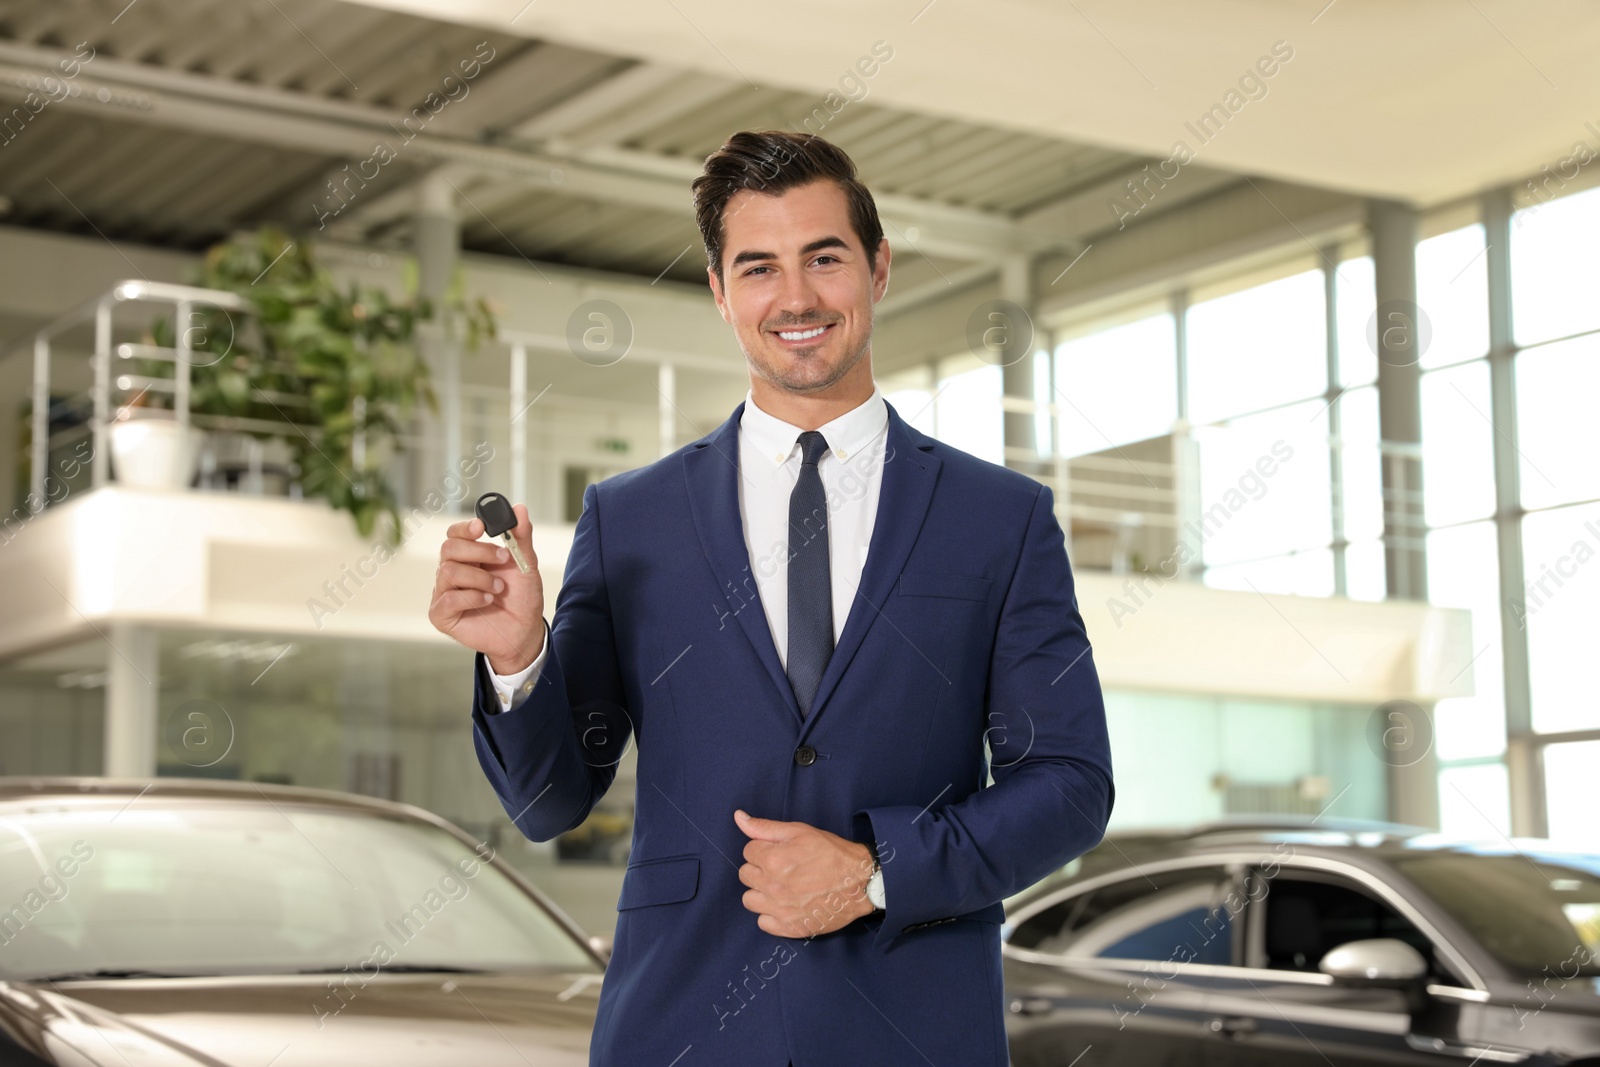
(632, 84)
(604, 172)
(1095, 210)
(549, 127)
(306, 123)
(670, 102)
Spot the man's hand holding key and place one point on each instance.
(484, 601)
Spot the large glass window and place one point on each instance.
(1265, 487)
(1453, 292)
(1265, 432)
(1457, 445)
(1552, 268)
(1366, 574)
(1356, 300)
(968, 413)
(1463, 572)
(1556, 390)
(1118, 385)
(1569, 789)
(915, 406)
(1361, 470)
(1562, 570)
(1475, 801)
(1361, 493)
(1257, 348)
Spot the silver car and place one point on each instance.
(179, 922)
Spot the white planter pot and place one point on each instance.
(153, 453)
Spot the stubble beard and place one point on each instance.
(779, 375)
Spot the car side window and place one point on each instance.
(1305, 916)
(1175, 916)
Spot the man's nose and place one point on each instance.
(798, 296)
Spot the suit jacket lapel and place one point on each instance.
(909, 472)
(711, 471)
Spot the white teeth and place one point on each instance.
(800, 335)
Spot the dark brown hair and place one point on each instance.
(772, 161)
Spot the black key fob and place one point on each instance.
(499, 520)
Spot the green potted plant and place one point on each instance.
(333, 372)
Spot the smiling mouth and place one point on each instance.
(801, 336)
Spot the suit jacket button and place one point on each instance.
(805, 755)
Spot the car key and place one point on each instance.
(498, 521)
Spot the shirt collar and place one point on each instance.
(846, 435)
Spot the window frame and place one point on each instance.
(1230, 872)
(1471, 988)
(1348, 876)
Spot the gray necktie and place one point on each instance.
(810, 588)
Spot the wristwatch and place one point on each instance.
(875, 886)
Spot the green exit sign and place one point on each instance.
(613, 444)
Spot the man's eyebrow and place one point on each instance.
(824, 242)
(815, 246)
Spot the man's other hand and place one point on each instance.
(803, 881)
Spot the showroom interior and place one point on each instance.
(1308, 364)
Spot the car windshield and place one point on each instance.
(186, 887)
(1536, 912)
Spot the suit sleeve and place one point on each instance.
(552, 756)
(1052, 791)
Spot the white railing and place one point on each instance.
(1136, 498)
(183, 299)
(1132, 502)
(110, 391)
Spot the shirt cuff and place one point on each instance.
(520, 684)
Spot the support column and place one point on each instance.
(1185, 453)
(1524, 757)
(1016, 287)
(1330, 306)
(1413, 789)
(133, 688)
(1394, 257)
(667, 386)
(518, 428)
(438, 244)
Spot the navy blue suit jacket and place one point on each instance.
(964, 629)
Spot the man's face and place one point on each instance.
(796, 287)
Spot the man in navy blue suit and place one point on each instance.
(812, 620)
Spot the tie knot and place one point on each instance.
(812, 446)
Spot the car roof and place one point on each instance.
(32, 788)
(1359, 841)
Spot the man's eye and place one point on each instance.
(752, 270)
(828, 259)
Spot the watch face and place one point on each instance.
(875, 895)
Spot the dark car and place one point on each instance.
(176, 922)
(1322, 944)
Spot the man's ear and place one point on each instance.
(880, 271)
(717, 295)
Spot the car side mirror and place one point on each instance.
(1378, 961)
(601, 945)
